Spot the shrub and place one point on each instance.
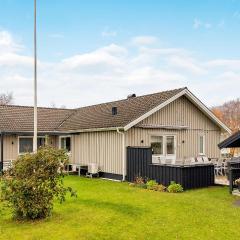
(160, 188)
(175, 187)
(237, 181)
(152, 185)
(139, 182)
(33, 182)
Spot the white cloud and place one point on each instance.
(113, 71)
(233, 64)
(106, 56)
(144, 40)
(188, 64)
(7, 44)
(13, 59)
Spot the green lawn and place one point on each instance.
(113, 210)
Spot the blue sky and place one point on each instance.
(94, 51)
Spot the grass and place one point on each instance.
(113, 210)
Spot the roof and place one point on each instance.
(20, 118)
(100, 115)
(130, 112)
(231, 142)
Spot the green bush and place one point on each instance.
(175, 188)
(33, 182)
(152, 185)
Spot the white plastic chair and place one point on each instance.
(199, 159)
(205, 159)
(219, 167)
(213, 161)
(7, 164)
(225, 167)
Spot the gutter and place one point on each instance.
(66, 132)
(1, 154)
(123, 154)
(95, 130)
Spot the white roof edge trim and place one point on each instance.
(192, 98)
(72, 131)
(207, 111)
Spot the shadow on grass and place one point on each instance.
(118, 207)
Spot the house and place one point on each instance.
(175, 123)
(232, 142)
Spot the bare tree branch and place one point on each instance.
(6, 98)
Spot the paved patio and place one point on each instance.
(221, 180)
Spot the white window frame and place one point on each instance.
(204, 145)
(165, 135)
(162, 144)
(18, 145)
(175, 145)
(65, 136)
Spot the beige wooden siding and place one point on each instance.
(10, 146)
(103, 148)
(180, 112)
(187, 140)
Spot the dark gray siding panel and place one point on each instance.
(139, 164)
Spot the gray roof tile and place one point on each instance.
(20, 118)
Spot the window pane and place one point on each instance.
(66, 143)
(25, 145)
(201, 144)
(157, 144)
(170, 145)
(40, 142)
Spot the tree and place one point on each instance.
(31, 185)
(229, 113)
(6, 98)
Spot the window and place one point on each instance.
(163, 145)
(26, 144)
(65, 143)
(170, 144)
(201, 145)
(157, 145)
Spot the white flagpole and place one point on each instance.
(35, 78)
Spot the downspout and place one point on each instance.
(1, 163)
(123, 154)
